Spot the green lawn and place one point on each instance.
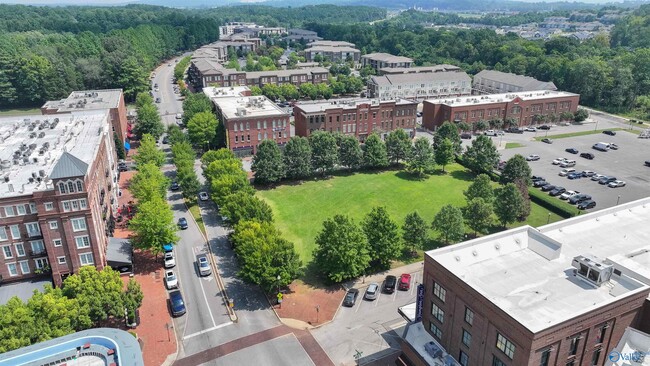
(19, 112)
(574, 134)
(300, 210)
(513, 145)
(196, 213)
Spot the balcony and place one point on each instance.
(38, 253)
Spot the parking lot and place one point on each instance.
(626, 163)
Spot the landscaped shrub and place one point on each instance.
(553, 204)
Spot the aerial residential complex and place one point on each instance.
(494, 82)
(563, 294)
(437, 83)
(58, 193)
(335, 51)
(248, 119)
(250, 28)
(302, 35)
(379, 61)
(355, 117)
(522, 107)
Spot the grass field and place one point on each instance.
(574, 134)
(513, 145)
(300, 210)
(19, 112)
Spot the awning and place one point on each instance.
(127, 146)
(168, 247)
(119, 254)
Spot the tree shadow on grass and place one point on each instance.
(465, 175)
(410, 176)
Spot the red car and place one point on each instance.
(404, 281)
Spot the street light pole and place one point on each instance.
(618, 199)
(549, 218)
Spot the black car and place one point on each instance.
(176, 303)
(584, 205)
(579, 198)
(165, 140)
(606, 180)
(609, 132)
(175, 186)
(389, 284)
(122, 167)
(157, 100)
(571, 150)
(647, 163)
(539, 183)
(548, 187)
(182, 223)
(466, 136)
(544, 127)
(351, 297)
(515, 130)
(589, 156)
(548, 141)
(536, 177)
(557, 191)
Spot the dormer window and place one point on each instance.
(80, 187)
(62, 188)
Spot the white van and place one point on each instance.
(490, 133)
(601, 146)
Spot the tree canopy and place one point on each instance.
(268, 164)
(342, 250)
(148, 152)
(383, 237)
(481, 156)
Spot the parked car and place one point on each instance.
(647, 163)
(169, 260)
(559, 161)
(588, 173)
(530, 129)
(566, 171)
(371, 292)
(182, 223)
(351, 297)
(122, 167)
(584, 205)
(204, 265)
(600, 146)
(544, 127)
(174, 186)
(609, 132)
(176, 303)
(579, 198)
(574, 175)
(500, 133)
(390, 282)
(613, 146)
(157, 100)
(589, 156)
(539, 183)
(597, 177)
(490, 133)
(170, 280)
(466, 136)
(548, 187)
(606, 180)
(568, 194)
(532, 157)
(165, 140)
(203, 196)
(568, 163)
(404, 282)
(537, 177)
(557, 191)
(571, 150)
(547, 140)
(616, 184)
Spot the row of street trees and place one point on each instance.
(342, 84)
(264, 255)
(203, 129)
(148, 118)
(84, 300)
(184, 156)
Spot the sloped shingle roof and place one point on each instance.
(69, 166)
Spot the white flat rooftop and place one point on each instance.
(312, 107)
(500, 98)
(528, 272)
(632, 350)
(87, 100)
(22, 139)
(225, 92)
(248, 107)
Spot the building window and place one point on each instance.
(437, 313)
(32, 208)
(61, 260)
(9, 211)
(54, 225)
(6, 250)
(440, 292)
(497, 362)
(3, 233)
(57, 242)
(40, 263)
(20, 210)
(601, 333)
(83, 204)
(66, 206)
(70, 187)
(78, 224)
(33, 229)
(573, 348)
(546, 356)
(595, 357)
(24, 267)
(49, 206)
(13, 271)
(37, 247)
(505, 346)
(80, 186)
(469, 316)
(467, 338)
(463, 359)
(20, 249)
(82, 241)
(62, 188)
(435, 330)
(86, 259)
(15, 231)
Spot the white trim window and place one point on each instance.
(86, 259)
(12, 269)
(66, 206)
(20, 249)
(32, 208)
(24, 267)
(41, 263)
(61, 260)
(3, 234)
(49, 206)
(57, 242)
(78, 224)
(33, 229)
(20, 209)
(37, 247)
(83, 203)
(6, 250)
(9, 211)
(15, 231)
(82, 241)
(53, 225)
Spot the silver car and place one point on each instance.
(204, 265)
(371, 292)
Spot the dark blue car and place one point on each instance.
(574, 175)
(177, 304)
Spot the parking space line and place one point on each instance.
(359, 303)
(378, 296)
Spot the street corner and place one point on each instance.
(303, 306)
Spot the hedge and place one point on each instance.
(553, 204)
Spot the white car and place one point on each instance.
(532, 157)
(371, 292)
(169, 260)
(568, 163)
(203, 196)
(490, 133)
(530, 129)
(171, 280)
(616, 184)
(204, 265)
(568, 194)
(501, 133)
(565, 172)
(559, 161)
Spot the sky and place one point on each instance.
(208, 2)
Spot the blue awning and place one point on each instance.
(127, 146)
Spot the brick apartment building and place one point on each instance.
(564, 294)
(381, 60)
(495, 82)
(355, 117)
(248, 119)
(420, 85)
(88, 100)
(58, 192)
(522, 107)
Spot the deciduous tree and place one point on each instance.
(100, 291)
(245, 207)
(342, 250)
(148, 182)
(478, 215)
(153, 225)
(149, 122)
(398, 146)
(516, 168)
(297, 158)
(383, 237)
(449, 223)
(414, 231)
(421, 158)
(444, 154)
(268, 165)
(202, 129)
(508, 204)
(195, 103)
(350, 153)
(481, 156)
(374, 152)
(481, 187)
(449, 131)
(324, 152)
(148, 152)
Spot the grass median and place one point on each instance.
(196, 214)
(574, 134)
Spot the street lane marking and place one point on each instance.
(207, 330)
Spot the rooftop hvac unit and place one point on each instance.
(433, 350)
(31, 180)
(11, 188)
(35, 160)
(41, 135)
(34, 174)
(6, 178)
(25, 160)
(592, 269)
(41, 173)
(32, 146)
(32, 135)
(5, 164)
(56, 120)
(16, 161)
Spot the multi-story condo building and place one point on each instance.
(419, 86)
(302, 35)
(218, 51)
(379, 61)
(248, 119)
(58, 193)
(88, 100)
(522, 107)
(494, 82)
(355, 117)
(564, 294)
(418, 69)
(232, 27)
(335, 51)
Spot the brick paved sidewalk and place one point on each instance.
(301, 302)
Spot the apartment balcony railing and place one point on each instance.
(38, 252)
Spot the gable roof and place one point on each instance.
(527, 83)
(69, 166)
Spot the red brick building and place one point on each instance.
(356, 117)
(522, 107)
(58, 193)
(248, 119)
(538, 297)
